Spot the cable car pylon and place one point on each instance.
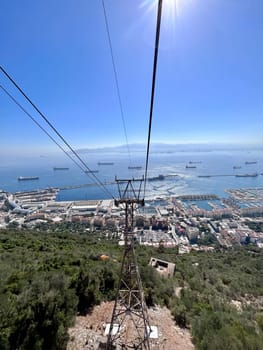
(129, 327)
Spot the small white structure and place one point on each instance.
(114, 331)
(153, 332)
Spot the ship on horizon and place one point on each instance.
(251, 162)
(91, 171)
(247, 175)
(190, 167)
(26, 178)
(134, 167)
(60, 168)
(105, 163)
(236, 167)
(194, 162)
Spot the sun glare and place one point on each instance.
(171, 8)
(174, 7)
(170, 3)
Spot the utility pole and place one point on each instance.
(129, 327)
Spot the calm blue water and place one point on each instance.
(187, 181)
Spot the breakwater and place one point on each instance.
(194, 197)
(72, 187)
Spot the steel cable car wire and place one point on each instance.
(58, 134)
(116, 77)
(40, 126)
(156, 50)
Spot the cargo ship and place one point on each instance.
(190, 166)
(247, 175)
(25, 178)
(105, 163)
(57, 168)
(91, 171)
(251, 162)
(134, 167)
(156, 178)
(236, 167)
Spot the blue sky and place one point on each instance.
(209, 83)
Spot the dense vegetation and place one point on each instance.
(49, 277)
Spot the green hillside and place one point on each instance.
(49, 277)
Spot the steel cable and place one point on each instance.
(116, 78)
(156, 50)
(57, 133)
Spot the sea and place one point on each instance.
(179, 180)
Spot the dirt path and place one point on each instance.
(88, 331)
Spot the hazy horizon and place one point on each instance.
(132, 149)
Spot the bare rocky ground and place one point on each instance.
(88, 331)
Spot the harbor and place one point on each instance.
(38, 206)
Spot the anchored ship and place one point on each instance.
(24, 178)
(134, 167)
(247, 175)
(91, 171)
(56, 168)
(251, 162)
(156, 178)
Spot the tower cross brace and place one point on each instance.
(129, 327)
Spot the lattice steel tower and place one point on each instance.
(129, 327)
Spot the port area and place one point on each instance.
(171, 221)
(45, 195)
(197, 202)
(242, 198)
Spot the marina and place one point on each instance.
(246, 194)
